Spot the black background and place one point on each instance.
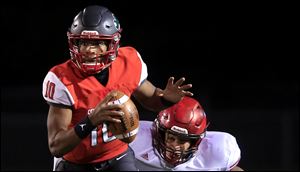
(237, 56)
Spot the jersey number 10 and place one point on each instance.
(50, 88)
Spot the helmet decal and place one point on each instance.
(116, 22)
(89, 32)
(179, 130)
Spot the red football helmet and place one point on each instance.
(94, 23)
(187, 120)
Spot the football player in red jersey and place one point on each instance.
(78, 92)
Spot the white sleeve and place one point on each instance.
(144, 73)
(217, 151)
(235, 153)
(147, 159)
(143, 139)
(55, 91)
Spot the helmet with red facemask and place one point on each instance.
(94, 23)
(187, 120)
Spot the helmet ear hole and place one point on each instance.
(165, 116)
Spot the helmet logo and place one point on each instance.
(89, 32)
(145, 156)
(179, 130)
(116, 22)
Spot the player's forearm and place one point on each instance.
(152, 104)
(156, 103)
(150, 97)
(63, 142)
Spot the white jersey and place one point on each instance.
(218, 151)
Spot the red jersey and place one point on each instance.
(64, 84)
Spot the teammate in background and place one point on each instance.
(78, 92)
(177, 140)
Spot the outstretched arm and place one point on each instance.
(154, 98)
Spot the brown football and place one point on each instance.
(126, 130)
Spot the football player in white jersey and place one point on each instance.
(177, 140)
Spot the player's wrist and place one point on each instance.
(84, 128)
(92, 118)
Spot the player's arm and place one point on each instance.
(61, 139)
(146, 96)
(156, 99)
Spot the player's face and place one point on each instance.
(91, 49)
(176, 145)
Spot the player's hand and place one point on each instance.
(174, 92)
(105, 111)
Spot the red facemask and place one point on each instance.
(101, 61)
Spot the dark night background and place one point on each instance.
(237, 56)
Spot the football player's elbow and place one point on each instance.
(55, 151)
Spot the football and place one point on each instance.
(126, 130)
